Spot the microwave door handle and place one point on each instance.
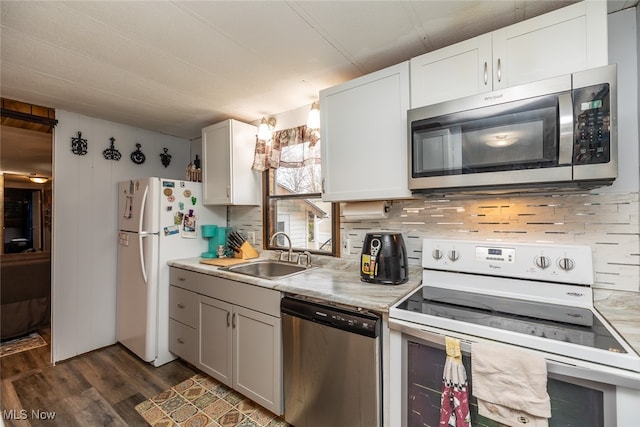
(565, 143)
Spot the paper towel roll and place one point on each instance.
(378, 209)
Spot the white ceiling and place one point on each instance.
(177, 66)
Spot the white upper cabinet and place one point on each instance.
(227, 156)
(452, 72)
(570, 39)
(364, 137)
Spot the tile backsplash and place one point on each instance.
(608, 222)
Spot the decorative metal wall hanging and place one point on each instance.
(112, 153)
(137, 156)
(79, 145)
(165, 157)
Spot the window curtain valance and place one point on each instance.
(288, 148)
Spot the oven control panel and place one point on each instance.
(538, 261)
(495, 254)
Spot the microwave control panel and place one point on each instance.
(592, 125)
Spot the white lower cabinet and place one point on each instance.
(257, 357)
(184, 341)
(215, 339)
(183, 324)
(235, 337)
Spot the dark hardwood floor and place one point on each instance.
(100, 388)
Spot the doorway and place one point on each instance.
(26, 196)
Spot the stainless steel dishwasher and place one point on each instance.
(331, 359)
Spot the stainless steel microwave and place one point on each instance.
(551, 133)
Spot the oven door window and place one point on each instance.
(571, 404)
(516, 135)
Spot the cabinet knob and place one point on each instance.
(233, 320)
(180, 305)
(228, 319)
(180, 340)
(181, 279)
(499, 70)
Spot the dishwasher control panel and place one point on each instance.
(362, 323)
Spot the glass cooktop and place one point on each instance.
(556, 322)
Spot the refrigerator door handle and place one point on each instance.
(142, 266)
(142, 207)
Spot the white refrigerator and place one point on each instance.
(158, 219)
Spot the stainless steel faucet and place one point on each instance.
(282, 233)
(307, 255)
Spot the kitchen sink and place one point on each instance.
(267, 269)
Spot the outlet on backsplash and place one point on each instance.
(346, 246)
(251, 236)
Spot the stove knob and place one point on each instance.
(566, 264)
(454, 255)
(436, 254)
(543, 262)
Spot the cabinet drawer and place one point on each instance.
(183, 341)
(184, 278)
(254, 297)
(183, 306)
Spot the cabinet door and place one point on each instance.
(364, 137)
(561, 42)
(257, 357)
(246, 183)
(452, 72)
(216, 339)
(216, 163)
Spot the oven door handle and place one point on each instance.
(556, 364)
(424, 334)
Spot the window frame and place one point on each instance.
(269, 227)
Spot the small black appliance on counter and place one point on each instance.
(384, 259)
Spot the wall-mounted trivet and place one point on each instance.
(137, 156)
(79, 145)
(165, 157)
(112, 153)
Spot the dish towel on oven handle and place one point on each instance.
(510, 385)
(454, 404)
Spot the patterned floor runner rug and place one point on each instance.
(28, 342)
(203, 401)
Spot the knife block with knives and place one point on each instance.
(241, 248)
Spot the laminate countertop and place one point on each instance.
(334, 282)
(337, 281)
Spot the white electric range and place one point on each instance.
(535, 296)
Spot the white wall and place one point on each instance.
(85, 224)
